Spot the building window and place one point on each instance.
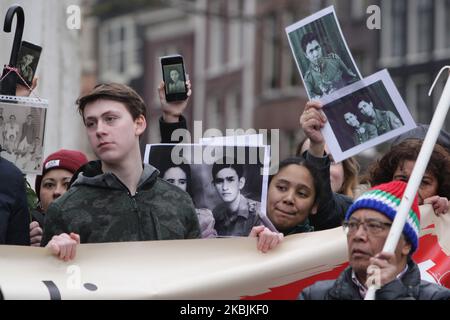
(447, 23)
(270, 54)
(290, 76)
(424, 26)
(118, 51)
(215, 119)
(419, 102)
(235, 10)
(398, 20)
(216, 36)
(233, 110)
(358, 9)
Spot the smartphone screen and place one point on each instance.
(27, 61)
(174, 78)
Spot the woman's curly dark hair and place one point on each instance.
(439, 166)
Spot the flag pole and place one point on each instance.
(419, 170)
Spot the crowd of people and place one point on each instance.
(118, 198)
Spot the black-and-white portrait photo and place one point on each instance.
(174, 78)
(22, 128)
(227, 187)
(365, 114)
(321, 54)
(27, 61)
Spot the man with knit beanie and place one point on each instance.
(367, 225)
(57, 171)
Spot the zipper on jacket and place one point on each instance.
(139, 218)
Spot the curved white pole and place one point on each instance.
(416, 176)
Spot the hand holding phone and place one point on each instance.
(174, 76)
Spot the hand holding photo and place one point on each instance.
(363, 115)
(321, 54)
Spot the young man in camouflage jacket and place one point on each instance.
(117, 198)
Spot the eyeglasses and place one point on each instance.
(372, 227)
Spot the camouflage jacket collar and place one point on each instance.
(94, 176)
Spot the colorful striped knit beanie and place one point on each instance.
(385, 198)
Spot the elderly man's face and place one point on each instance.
(368, 240)
(366, 109)
(313, 51)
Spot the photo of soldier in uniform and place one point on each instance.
(23, 134)
(227, 188)
(363, 115)
(321, 53)
(383, 120)
(236, 214)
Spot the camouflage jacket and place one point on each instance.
(99, 208)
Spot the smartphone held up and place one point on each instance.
(174, 76)
(27, 62)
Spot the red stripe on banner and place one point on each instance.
(430, 251)
(292, 290)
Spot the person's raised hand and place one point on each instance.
(440, 204)
(23, 91)
(312, 122)
(173, 110)
(382, 269)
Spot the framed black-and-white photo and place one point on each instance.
(363, 115)
(321, 54)
(22, 129)
(27, 61)
(227, 183)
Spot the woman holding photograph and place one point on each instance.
(398, 163)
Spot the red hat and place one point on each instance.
(70, 160)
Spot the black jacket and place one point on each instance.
(409, 287)
(166, 129)
(332, 206)
(14, 216)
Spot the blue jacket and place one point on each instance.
(14, 216)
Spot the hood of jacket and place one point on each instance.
(91, 174)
